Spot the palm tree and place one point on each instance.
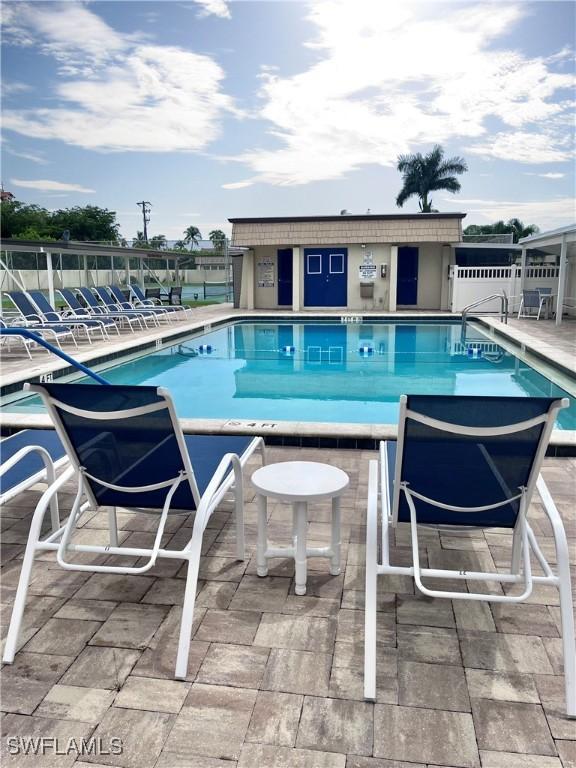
(519, 230)
(192, 236)
(158, 242)
(139, 241)
(179, 245)
(512, 227)
(423, 174)
(218, 239)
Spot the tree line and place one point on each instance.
(90, 223)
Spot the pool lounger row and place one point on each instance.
(101, 317)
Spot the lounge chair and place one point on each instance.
(145, 314)
(153, 300)
(117, 294)
(154, 294)
(463, 462)
(534, 299)
(126, 318)
(29, 457)
(88, 325)
(81, 312)
(33, 320)
(127, 449)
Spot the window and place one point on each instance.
(336, 263)
(314, 264)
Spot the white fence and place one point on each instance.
(469, 284)
(34, 279)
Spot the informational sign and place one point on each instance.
(265, 273)
(367, 271)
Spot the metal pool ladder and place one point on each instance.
(503, 313)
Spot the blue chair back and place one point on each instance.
(24, 305)
(90, 299)
(121, 448)
(118, 295)
(70, 299)
(137, 291)
(104, 296)
(44, 306)
(471, 470)
(531, 299)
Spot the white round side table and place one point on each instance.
(298, 482)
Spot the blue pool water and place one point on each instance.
(328, 372)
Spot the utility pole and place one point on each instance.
(145, 205)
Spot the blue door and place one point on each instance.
(285, 277)
(407, 282)
(325, 277)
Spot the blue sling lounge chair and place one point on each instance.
(81, 312)
(128, 318)
(463, 462)
(89, 325)
(33, 318)
(127, 449)
(118, 296)
(145, 314)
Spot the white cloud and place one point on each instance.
(117, 92)
(68, 31)
(547, 175)
(47, 185)
(524, 147)
(239, 184)
(214, 7)
(28, 156)
(8, 89)
(547, 214)
(390, 77)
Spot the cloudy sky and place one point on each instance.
(217, 109)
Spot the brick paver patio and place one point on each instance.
(275, 680)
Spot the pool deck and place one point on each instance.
(275, 680)
(541, 343)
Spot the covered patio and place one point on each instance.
(560, 243)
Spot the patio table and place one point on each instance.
(298, 483)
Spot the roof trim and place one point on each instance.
(550, 234)
(363, 217)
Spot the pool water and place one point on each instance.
(328, 372)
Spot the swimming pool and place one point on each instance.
(327, 371)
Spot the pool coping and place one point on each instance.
(288, 433)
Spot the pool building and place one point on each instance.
(368, 262)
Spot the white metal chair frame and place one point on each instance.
(48, 474)
(227, 477)
(523, 541)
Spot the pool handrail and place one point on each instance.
(17, 331)
(503, 309)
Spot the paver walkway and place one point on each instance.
(275, 680)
